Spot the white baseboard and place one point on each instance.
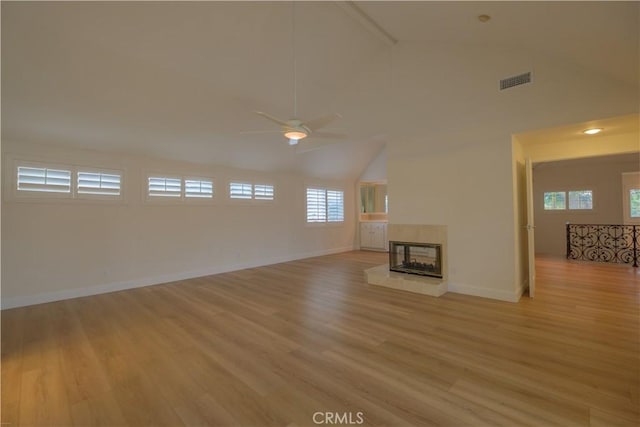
(502, 295)
(22, 301)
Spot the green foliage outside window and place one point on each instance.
(582, 199)
(634, 203)
(555, 200)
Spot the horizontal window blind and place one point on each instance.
(263, 192)
(240, 190)
(164, 186)
(106, 184)
(335, 206)
(198, 188)
(316, 205)
(44, 180)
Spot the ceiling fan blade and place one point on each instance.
(306, 146)
(329, 135)
(250, 132)
(321, 121)
(273, 119)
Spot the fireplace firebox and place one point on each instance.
(424, 259)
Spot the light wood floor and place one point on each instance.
(273, 345)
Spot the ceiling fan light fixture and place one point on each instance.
(592, 131)
(295, 134)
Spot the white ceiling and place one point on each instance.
(181, 80)
(614, 126)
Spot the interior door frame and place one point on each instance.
(530, 228)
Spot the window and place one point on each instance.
(325, 205)
(248, 191)
(178, 189)
(240, 190)
(316, 205)
(34, 180)
(263, 192)
(44, 180)
(198, 188)
(98, 183)
(634, 203)
(581, 199)
(164, 186)
(578, 200)
(554, 200)
(335, 206)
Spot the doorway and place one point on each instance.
(547, 149)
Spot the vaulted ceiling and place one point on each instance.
(181, 80)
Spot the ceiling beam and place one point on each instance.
(355, 12)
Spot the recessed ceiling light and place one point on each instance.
(592, 131)
(483, 18)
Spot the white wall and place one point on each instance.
(377, 169)
(452, 162)
(60, 249)
(602, 175)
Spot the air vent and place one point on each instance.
(515, 80)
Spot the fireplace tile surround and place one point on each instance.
(429, 235)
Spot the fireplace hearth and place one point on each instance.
(424, 259)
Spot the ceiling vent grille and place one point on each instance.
(515, 81)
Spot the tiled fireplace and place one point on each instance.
(417, 260)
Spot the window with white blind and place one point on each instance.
(198, 188)
(263, 192)
(42, 179)
(325, 205)
(316, 205)
(161, 186)
(98, 183)
(335, 206)
(240, 190)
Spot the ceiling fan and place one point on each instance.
(296, 129)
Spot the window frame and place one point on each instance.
(93, 196)
(181, 198)
(630, 209)
(243, 182)
(567, 209)
(199, 199)
(264, 184)
(326, 221)
(328, 200)
(252, 199)
(324, 205)
(43, 193)
(568, 198)
(544, 206)
(73, 196)
(630, 181)
(159, 197)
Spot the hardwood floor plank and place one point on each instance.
(12, 325)
(521, 405)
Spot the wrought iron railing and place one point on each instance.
(604, 243)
